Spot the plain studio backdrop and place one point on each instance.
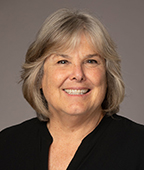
(21, 19)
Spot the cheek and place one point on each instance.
(100, 86)
(58, 77)
(48, 86)
(98, 77)
(53, 78)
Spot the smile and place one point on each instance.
(76, 92)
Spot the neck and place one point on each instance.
(74, 127)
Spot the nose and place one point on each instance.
(77, 73)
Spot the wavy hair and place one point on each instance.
(61, 31)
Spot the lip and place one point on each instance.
(76, 88)
(77, 91)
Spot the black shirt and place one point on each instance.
(115, 144)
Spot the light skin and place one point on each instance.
(74, 84)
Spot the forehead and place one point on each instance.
(73, 43)
(82, 42)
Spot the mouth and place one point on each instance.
(76, 92)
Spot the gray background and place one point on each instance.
(20, 21)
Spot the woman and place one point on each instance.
(72, 78)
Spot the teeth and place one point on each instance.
(76, 92)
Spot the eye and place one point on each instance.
(62, 62)
(92, 61)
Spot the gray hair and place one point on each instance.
(61, 31)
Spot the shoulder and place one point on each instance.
(127, 129)
(126, 123)
(21, 133)
(25, 127)
(20, 143)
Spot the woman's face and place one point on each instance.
(74, 82)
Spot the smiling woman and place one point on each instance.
(61, 34)
(72, 78)
(75, 82)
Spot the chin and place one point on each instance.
(76, 111)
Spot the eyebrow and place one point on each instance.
(87, 56)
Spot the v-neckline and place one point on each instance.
(83, 150)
